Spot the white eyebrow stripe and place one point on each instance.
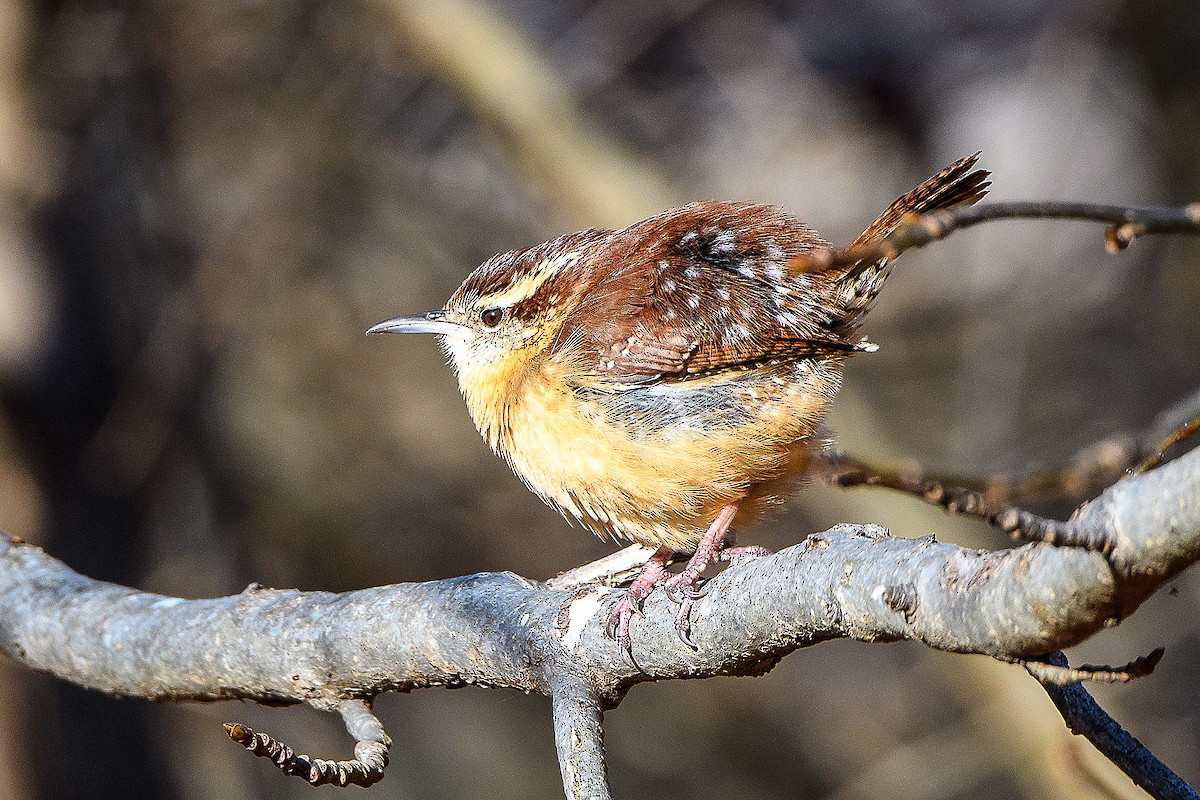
(528, 284)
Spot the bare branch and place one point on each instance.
(497, 629)
(1093, 469)
(366, 768)
(1114, 459)
(1051, 673)
(1176, 437)
(579, 739)
(1085, 718)
(1125, 225)
(846, 471)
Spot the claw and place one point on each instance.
(618, 625)
(679, 591)
(683, 589)
(617, 617)
(627, 651)
(630, 603)
(683, 623)
(670, 590)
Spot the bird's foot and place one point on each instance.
(653, 573)
(684, 588)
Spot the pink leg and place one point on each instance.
(682, 587)
(652, 574)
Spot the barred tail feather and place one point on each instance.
(954, 186)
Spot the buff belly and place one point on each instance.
(655, 465)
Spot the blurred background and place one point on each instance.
(205, 205)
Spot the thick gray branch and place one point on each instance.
(498, 629)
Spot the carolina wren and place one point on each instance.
(666, 381)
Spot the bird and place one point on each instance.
(666, 383)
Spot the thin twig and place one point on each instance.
(1125, 225)
(1085, 718)
(847, 471)
(1093, 469)
(1052, 673)
(1112, 458)
(366, 768)
(1178, 436)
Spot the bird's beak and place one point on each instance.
(431, 322)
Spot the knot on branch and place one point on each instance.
(901, 598)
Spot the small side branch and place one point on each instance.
(1085, 718)
(1118, 458)
(1050, 673)
(1176, 437)
(846, 471)
(1124, 225)
(579, 739)
(1093, 469)
(366, 768)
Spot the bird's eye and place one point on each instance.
(491, 316)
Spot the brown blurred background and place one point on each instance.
(206, 204)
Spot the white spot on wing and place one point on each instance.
(723, 242)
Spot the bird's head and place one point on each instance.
(506, 315)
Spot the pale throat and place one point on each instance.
(493, 368)
(490, 380)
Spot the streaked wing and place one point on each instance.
(707, 290)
